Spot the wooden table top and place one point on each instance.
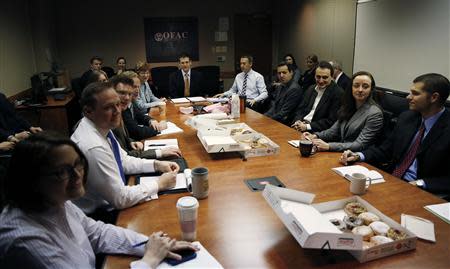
(240, 229)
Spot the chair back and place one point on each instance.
(160, 77)
(211, 79)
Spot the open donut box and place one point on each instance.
(236, 137)
(310, 224)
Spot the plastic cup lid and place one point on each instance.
(187, 202)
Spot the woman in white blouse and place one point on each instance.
(41, 227)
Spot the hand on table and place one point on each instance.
(7, 145)
(321, 145)
(167, 181)
(349, 157)
(251, 103)
(136, 145)
(165, 166)
(171, 152)
(35, 129)
(299, 126)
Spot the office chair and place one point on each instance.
(160, 78)
(211, 79)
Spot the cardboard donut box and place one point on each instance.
(310, 224)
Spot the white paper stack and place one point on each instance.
(172, 128)
(346, 171)
(179, 100)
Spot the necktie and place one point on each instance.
(400, 170)
(116, 151)
(186, 85)
(244, 86)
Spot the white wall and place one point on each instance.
(398, 40)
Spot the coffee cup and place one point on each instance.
(306, 148)
(200, 185)
(187, 215)
(359, 183)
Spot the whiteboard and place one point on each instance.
(398, 40)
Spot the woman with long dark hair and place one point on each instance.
(289, 59)
(359, 122)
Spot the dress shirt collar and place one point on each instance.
(338, 76)
(188, 73)
(429, 123)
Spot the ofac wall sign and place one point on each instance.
(167, 38)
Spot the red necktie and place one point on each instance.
(400, 170)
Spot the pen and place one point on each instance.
(145, 242)
(156, 145)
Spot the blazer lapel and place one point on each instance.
(436, 131)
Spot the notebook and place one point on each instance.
(345, 171)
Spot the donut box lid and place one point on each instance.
(309, 223)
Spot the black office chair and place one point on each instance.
(160, 77)
(211, 79)
(109, 71)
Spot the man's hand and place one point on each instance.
(22, 135)
(164, 166)
(7, 145)
(167, 181)
(136, 145)
(170, 152)
(309, 136)
(163, 125)
(299, 126)
(321, 145)
(349, 157)
(35, 129)
(155, 125)
(251, 103)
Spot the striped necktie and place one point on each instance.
(244, 86)
(187, 90)
(401, 169)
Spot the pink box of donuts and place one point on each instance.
(348, 224)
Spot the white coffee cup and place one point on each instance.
(187, 207)
(359, 183)
(200, 185)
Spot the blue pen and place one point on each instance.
(140, 244)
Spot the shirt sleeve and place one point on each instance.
(232, 90)
(108, 238)
(104, 178)
(261, 87)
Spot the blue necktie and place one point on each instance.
(116, 151)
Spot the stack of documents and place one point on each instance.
(440, 210)
(346, 171)
(172, 128)
(160, 143)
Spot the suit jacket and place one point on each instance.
(287, 97)
(308, 78)
(432, 157)
(124, 140)
(10, 122)
(357, 133)
(137, 124)
(176, 84)
(344, 81)
(326, 110)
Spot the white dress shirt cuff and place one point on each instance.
(158, 153)
(139, 264)
(308, 127)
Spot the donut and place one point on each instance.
(367, 245)
(379, 227)
(354, 209)
(352, 222)
(379, 239)
(368, 217)
(365, 231)
(395, 234)
(338, 223)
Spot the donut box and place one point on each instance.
(311, 226)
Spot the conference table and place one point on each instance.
(241, 230)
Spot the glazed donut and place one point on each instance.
(368, 217)
(352, 222)
(354, 209)
(365, 231)
(338, 223)
(379, 239)
(395, 234)
(367, 245)
(379, 227)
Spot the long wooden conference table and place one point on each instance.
(241, 230)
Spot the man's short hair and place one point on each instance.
(289, 66)
(336, 65)
(88, 96)
(98, 58)
(434, 82)
(326, 65)
(129, 74)
(248, 57)
(143, 67)
(121, 79)
(184, 55)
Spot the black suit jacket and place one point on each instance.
(326, 111)
(10, 122)
(138, 126)
(121, 134)
(176, 84)
(287, 98)
(433, 155)
(308, 78)
(344, 81)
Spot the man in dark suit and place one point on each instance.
(418, 149)
(287, 95)
(96, 64)
(13, 128)
(318, 109)
(185, 82)
(341, 79)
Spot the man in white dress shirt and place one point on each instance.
(106, 187)
(248, 83)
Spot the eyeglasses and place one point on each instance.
(67, 172)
